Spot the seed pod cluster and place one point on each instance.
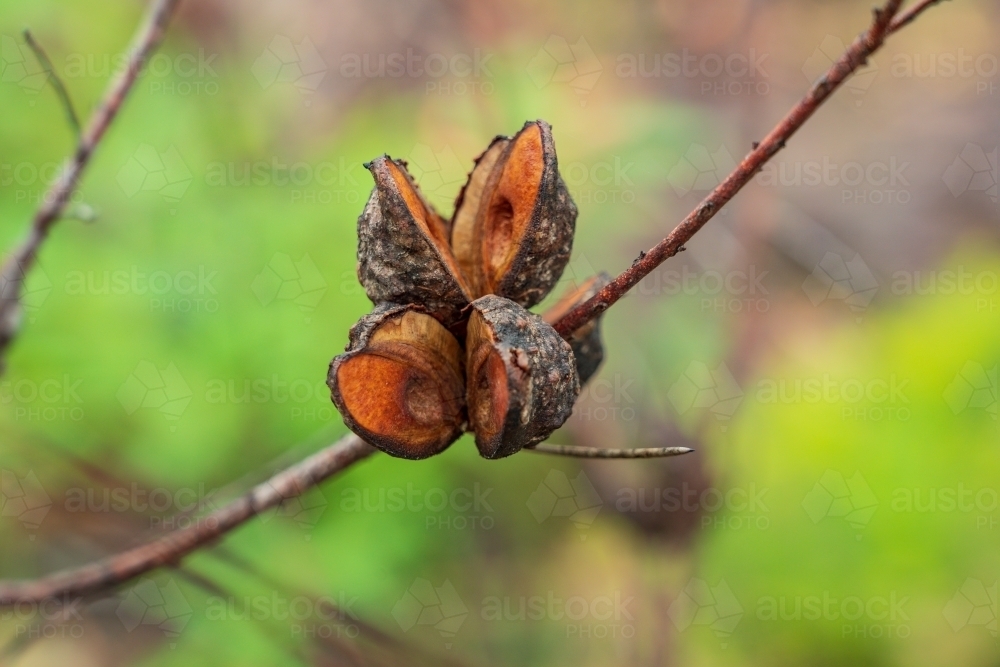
(450, 345)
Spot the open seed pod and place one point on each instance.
(513, 227)
(404, 254)
(521, 377)
(585, 341)
(400, 384)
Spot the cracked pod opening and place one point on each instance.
(521, 377)
(399, 385)
(513, 227)
(404, 253)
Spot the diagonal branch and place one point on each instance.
(885, 23)
(16, 267)
(173, 547)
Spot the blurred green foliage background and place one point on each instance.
(838, 383)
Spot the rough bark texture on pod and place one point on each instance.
(400, 384)
(404, 253)
(585, 341)
(521, 377)
(513, 227)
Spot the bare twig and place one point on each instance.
(23, 258)
(602, 453)
(172, 547)
(64, 98)
(855, 56)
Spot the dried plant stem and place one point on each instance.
(57, 84)
(54, 201)
(601, 453)
(885, 23)
(172, 547)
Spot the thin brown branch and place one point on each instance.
(905, 18)
(172, 547)
(884, 23)
(602, 453)
(14, 270)
(57, 84)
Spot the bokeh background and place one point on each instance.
(828, 343)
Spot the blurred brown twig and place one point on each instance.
(294, 481)
(14, 270)
(170, 548)
(885, 23)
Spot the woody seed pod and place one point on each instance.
(521, 382)
(513, 227)
(403, 247)
(585, 341)
(400, 384)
